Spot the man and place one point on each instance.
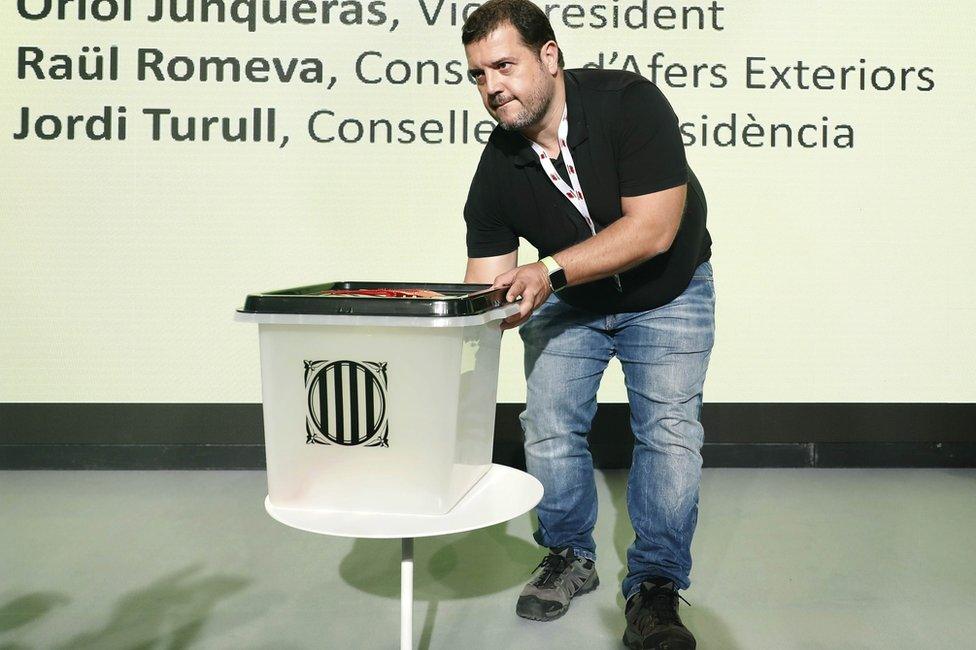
(589, 167)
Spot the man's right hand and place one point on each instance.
(530, 281)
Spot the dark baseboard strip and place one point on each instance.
(231, 436)
(251, 457)
(132, 457)
(763, 454)
(106, 424)
(896, 454)
(794, 422)
(241, 424)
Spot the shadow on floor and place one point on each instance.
(171, 612)
(28, 608)
(709, 628)
(446, 567)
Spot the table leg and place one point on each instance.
(406, 593)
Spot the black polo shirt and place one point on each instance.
(625, 141)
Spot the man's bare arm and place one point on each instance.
(484, 270)
(646, 229)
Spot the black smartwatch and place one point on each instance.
(557, 276)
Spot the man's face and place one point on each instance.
(516, 86)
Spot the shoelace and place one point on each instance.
(552, 565)
(661, 605)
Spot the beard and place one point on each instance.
(534, 107)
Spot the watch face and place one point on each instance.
(557, 279)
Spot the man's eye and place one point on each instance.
(501, 66)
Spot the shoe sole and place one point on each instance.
(585, 589)
(634, 642)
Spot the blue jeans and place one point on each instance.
(664, 354)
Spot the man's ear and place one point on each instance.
(549, 54)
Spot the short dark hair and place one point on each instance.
(531, 23)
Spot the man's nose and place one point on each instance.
(493, 85)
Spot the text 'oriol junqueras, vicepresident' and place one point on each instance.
(615, 14)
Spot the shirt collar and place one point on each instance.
(522, 150)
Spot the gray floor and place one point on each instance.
(784, 559)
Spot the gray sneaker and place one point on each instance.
(562, 576)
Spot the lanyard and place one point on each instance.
(574, 193)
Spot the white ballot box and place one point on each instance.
(378, 397)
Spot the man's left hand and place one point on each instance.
(530, 281)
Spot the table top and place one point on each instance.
(503, 493)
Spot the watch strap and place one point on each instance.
(557, 276)
(551, 264)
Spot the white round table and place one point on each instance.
(503, 493)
